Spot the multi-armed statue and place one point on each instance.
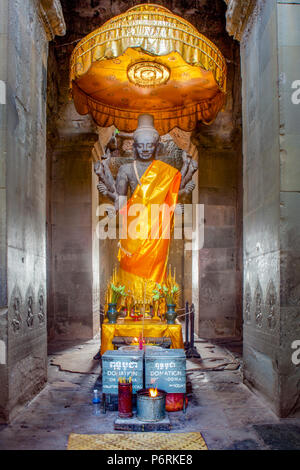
(143, 260)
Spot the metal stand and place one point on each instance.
(184, 405)
(190, 350)
(187, 321)
(97, 356)
(104, 403)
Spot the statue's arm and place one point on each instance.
(184, 168)
(189, 167)
(106, 185)
(122, 184)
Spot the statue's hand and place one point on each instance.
(102, 189)
(179, 208)
(189, 187)
(194, 165)
(107, 154)
(97, 167)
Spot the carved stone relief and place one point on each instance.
(41, 306)
(271, 303)
(52, 17)
(17, 320)
(258, 299)
(237, 15)
(248, 301)
(15, 308)
(29, 305)
(25, 313)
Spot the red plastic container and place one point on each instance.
(125, 400)
(174, 401)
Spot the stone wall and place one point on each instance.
(269, 51)
(288, 27)
(219, 305)
(72, 250)
(23, 66)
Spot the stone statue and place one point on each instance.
(143, 259)
(145, 147)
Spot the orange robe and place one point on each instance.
(143, 259)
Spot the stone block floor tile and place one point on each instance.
(233, 439)
(244, 415)
(279, 436)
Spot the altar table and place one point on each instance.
(134, 328)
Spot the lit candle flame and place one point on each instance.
(153, 392)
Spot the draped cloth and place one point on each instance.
(144, 250)
(134, 329)
(148, 60)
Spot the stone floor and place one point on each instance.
(227, 414)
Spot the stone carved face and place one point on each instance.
(145, 144)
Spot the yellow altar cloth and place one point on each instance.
(134, 328)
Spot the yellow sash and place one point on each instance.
(143, 259)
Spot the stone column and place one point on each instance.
(23, 79)
(3, 196)
(270, 48)
(74, 245)
(288, 27)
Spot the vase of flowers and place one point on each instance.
(116, 293)
(171, 314)
(170, 294)
(112, 313)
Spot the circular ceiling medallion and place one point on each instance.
(148, 73)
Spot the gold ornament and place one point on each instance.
(148, 74)
(129, 302)
(155, 311)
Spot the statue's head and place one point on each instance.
(146, 138)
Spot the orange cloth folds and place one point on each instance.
(148, 60)
(143, 254)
